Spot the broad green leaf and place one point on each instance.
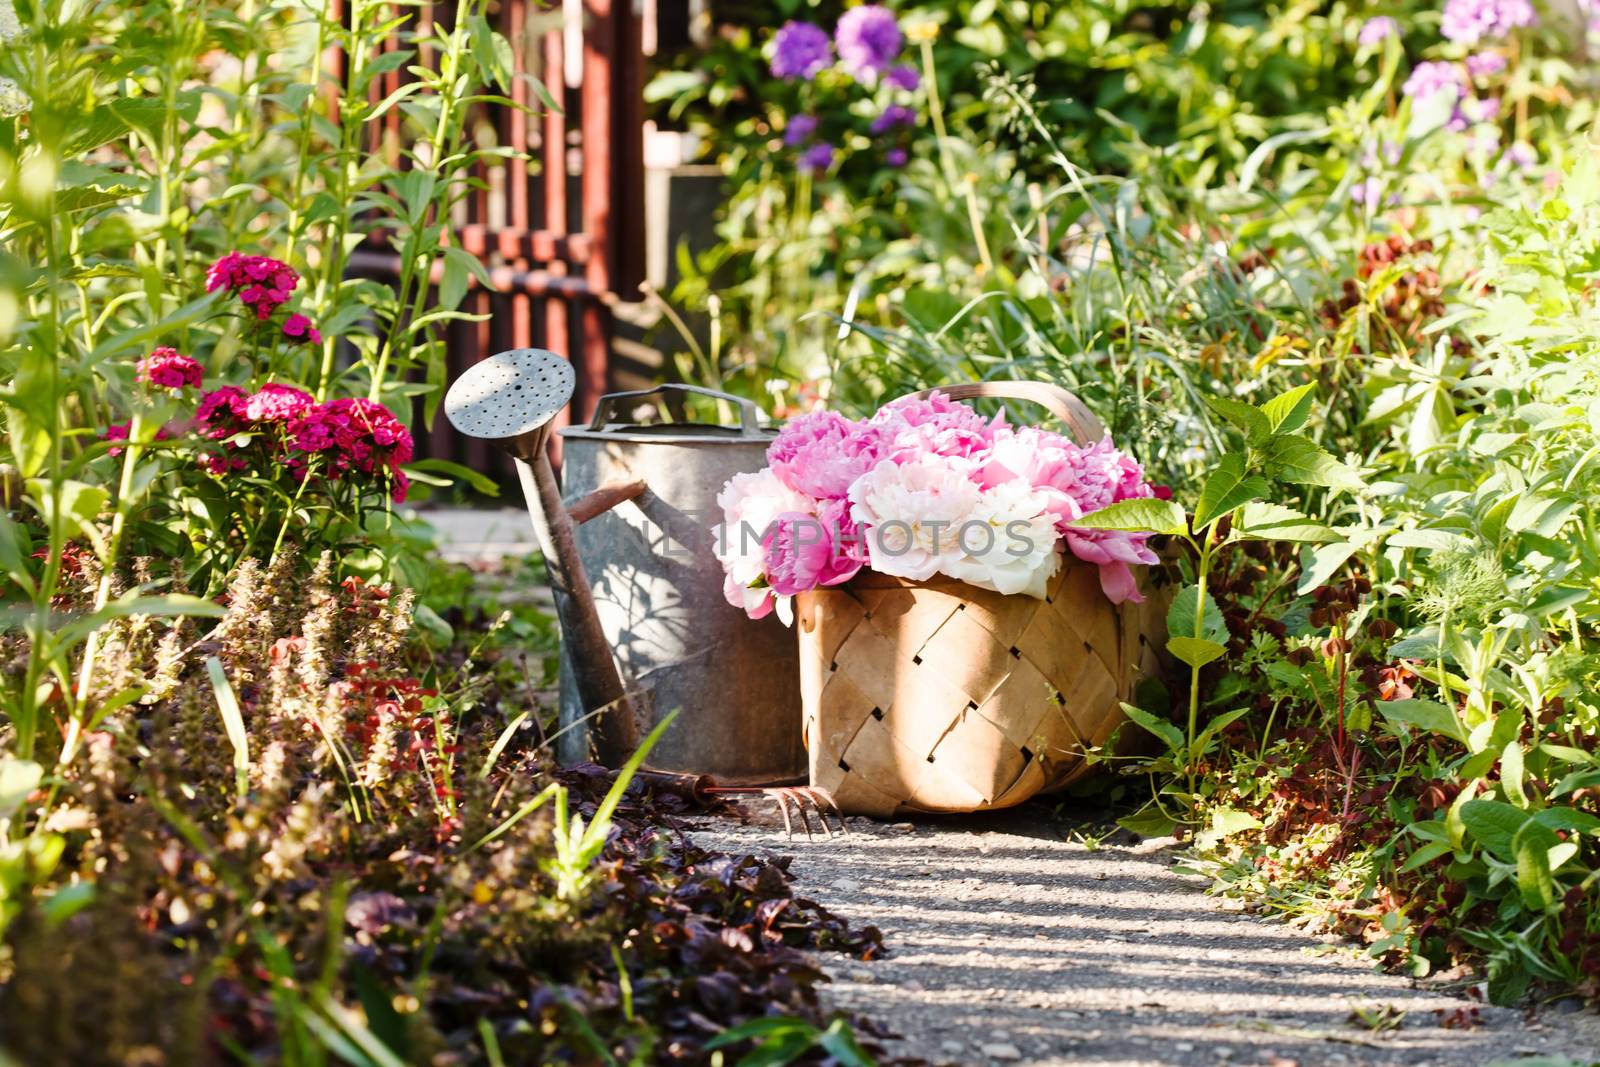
(1247, 418)
(1294, 459)
(1493, 824)
(1227, 488)
(1146, 515)
(1319, 564)
(1288, 412)
(1160, 727)
(1261, 520)
(1151, 822)
(18, 779)
(478, 482)
(1511, 774)
(1182, 617)
(1194, 651)
(1532, 846)
(1425, 715)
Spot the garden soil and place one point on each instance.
(1009, 943)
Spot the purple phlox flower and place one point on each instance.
(895, 157)
(799, 130)
(1520, 154)
(1485, 64)
(903, 76)
(818, 157)
(1470, 110)
(892, 116)
(1376, 30)
(1434, 76)
(800, 50)
(1470, 21)
(1367, 192)
(868, 39)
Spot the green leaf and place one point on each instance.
(1151, 822)
(1426, 715)
(1320, 563)
(1194, 651)
(1288, 412)
(479, 483)
(1182, 617)
(1493, 824)
(1260, 520)
(1145, 515)
(1160, 727)
(1297, 460)
(18, 779)
(1227, 488)
(1244, 416)
(1532, 846)
(1426, 855)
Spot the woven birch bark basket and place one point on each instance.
(939, 696)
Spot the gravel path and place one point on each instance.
(1011, 945)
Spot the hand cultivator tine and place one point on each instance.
(800, 796)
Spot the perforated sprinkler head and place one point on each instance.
(511, 397)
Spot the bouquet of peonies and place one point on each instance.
(926, 486)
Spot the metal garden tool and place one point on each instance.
(510, 399)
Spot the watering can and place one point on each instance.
(647, 498)
(637, 588)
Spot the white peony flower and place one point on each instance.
(1010, 543)
(910, 514)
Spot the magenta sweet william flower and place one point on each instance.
(275, 403)
(298, 328)
(119, 432)
(261, 282)
(221, 412)
(868, 39)
(800, 50)
(166, 368)
(353, 435)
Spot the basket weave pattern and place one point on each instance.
(939, 696)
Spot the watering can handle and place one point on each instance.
(749, 414)
(1064, 405)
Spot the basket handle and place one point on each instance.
(1064, 405)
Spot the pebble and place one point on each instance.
(952, 1046)
(903, 827)
(1223, 1052)
(1183, 1046)
(847, 885)
(1001, 1050)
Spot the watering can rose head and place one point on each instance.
(925, 486)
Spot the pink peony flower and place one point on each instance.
(802, 551)
(911, 513)
(298, 328)
(820, 454)
(750, 503)
(913, 427)
(166, 368)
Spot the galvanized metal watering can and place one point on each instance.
(636, 582)
(657, 589)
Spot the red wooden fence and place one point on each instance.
(563, 238)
